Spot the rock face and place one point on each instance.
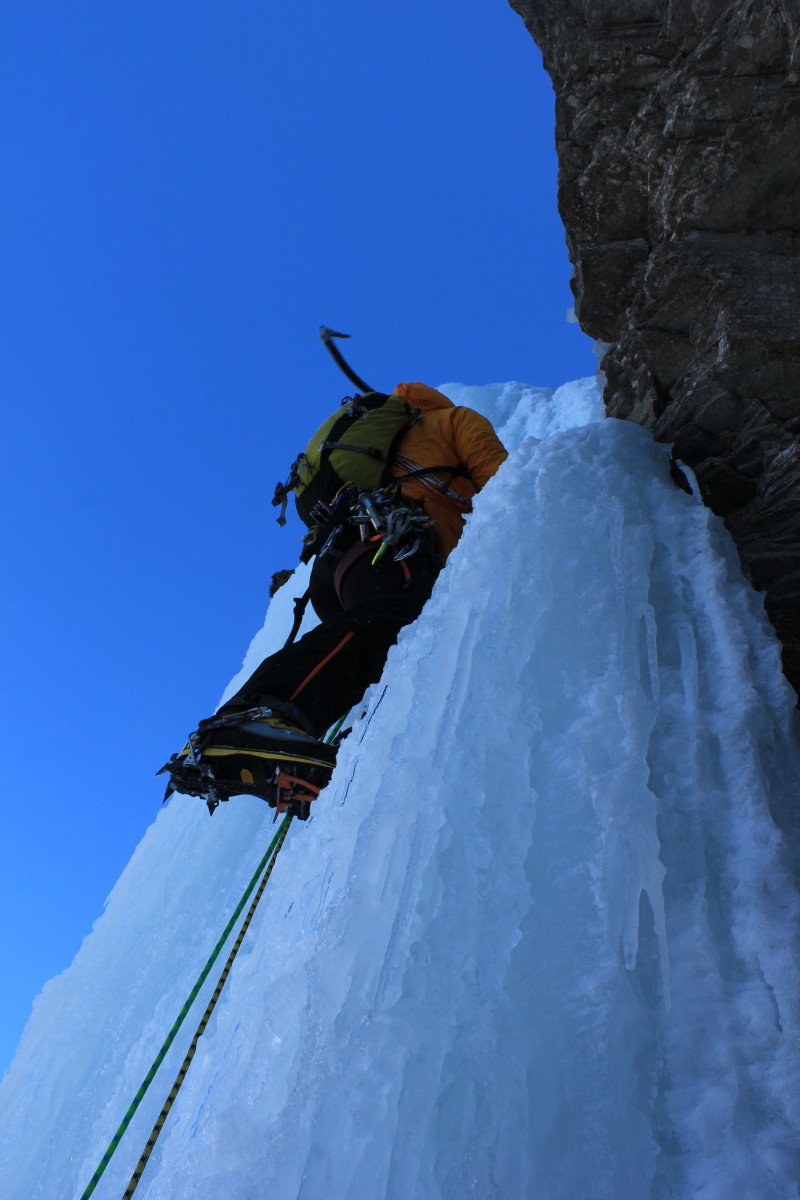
(678, 135)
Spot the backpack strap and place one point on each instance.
(370, 451)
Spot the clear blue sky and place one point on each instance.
(189, 189)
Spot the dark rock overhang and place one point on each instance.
(678, 138)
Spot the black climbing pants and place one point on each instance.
(362, 608)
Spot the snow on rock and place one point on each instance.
(539, 937)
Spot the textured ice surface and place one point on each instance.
(539, 938)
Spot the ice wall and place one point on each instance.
(539, 938)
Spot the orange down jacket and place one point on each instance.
(447, 436)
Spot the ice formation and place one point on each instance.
(539, 938)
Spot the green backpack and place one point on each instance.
(354, 446)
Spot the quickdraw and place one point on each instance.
(403, 527)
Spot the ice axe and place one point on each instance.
(327, 336)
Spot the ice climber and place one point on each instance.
(383, 486)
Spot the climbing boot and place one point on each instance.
(257, 752)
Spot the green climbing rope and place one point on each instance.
(336, 729)
(176, 1087)
(271, 852)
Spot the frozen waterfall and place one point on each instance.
(540, 937)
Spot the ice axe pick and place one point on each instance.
(327, 336)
